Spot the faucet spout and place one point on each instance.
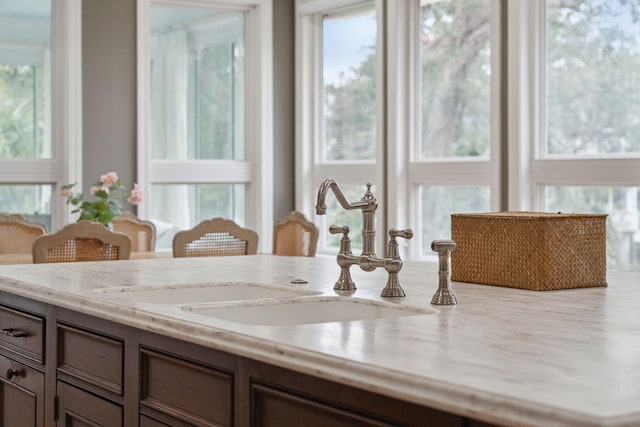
(365, 204)
(368, 205)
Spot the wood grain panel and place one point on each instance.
(22, 333)
(91, 357)
(189, 391)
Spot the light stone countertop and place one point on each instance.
(507, 356)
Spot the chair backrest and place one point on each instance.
(142, 233)
(295, 235)
(17, 234)
(82, 241)
(215, 237)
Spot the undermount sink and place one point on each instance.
(296, 311)
(203, 293)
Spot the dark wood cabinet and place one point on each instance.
(21, 395)
(22, 333)
(22, 378)
(274, 408)
(188, 391)
(92, 357)
(283, 398)
(63, 368)
(77, 408)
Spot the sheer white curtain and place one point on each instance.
(169, 86)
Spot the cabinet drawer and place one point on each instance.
(188, 391)
(91, 357)
(22, 333)
(79, 408)
(21, 394)
(275, 408)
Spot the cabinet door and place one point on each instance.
(21, 395)
(283, 398)
(77, 408)
(273, 408)
(191, 392)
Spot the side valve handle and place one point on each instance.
(335, 229)
(345, 242)
(405, 234)
(392, 246)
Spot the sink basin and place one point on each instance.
(303, 310)
(203, 293)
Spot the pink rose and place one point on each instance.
(66, 192)
(109, 179)
(94, 190)
(137, 195)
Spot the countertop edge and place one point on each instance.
(465, 401)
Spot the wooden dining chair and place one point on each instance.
(142, 233)
(295, 235)
(82, 241)
(17, 235)
(215, 237)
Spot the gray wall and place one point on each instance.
(283, 109)
(109, 95)
(109, 89)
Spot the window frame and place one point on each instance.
(396, 166)
(311, 168)
(517, 171)
(530, 169)
(256, 171)
(454, 171)
(65, 164)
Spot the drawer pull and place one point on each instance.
(14, 333)
(12, 373)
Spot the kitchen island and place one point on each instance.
(501, 356)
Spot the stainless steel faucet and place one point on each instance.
(368, 205)
(444, 295)
(367, 261)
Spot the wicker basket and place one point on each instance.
(529, 250)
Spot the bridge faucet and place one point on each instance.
(367, 261)
(368, 204)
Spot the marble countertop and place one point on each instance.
(507, 356)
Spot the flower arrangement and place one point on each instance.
(110, 199)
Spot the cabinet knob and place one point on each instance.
(12, 373)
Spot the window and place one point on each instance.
(22, 110)
(592, 78)
(32, 151)
(206, 115)
(535, 106)
(349, 86)
(422, 135)
(586, 148)
(346, 136)
(453, 162)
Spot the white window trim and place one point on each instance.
(405, 172)
(257, 170)
(529, 169)
(65, 166)
(67, 103)
(398, 54)
(310, 170)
